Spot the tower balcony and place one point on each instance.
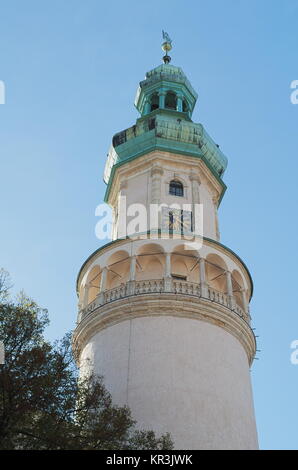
(164, 286)
(131, 278)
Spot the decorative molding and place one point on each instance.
(194, 177)
(123, 184)
(166, 304)
(162, 157)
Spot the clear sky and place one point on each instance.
(71, 70)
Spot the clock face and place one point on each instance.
(186, 221)
(176, 220)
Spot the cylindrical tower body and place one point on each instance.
(164, 317)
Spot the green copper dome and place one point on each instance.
(165, 100)
(162, 82)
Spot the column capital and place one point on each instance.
(156, 170)
(194, 177)
(123, 184)
(215, 199)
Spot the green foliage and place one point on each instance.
(43, 404)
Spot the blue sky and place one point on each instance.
(71, 70)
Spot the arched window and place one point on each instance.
(176, 188)
(154, 102)
(184, 106)
(171, 100)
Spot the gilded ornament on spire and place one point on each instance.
(166, 46)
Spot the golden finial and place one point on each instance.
(166, 46)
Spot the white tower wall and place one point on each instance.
(181, 375)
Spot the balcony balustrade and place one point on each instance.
(159, 286)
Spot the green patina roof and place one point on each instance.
(165, 77)
(164, 129)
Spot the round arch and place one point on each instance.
(118, 265)
(150, 262)
(216, 272)
(154, 101)
(92, 284)
(238, 287)
(171, 100)
(185, 263)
